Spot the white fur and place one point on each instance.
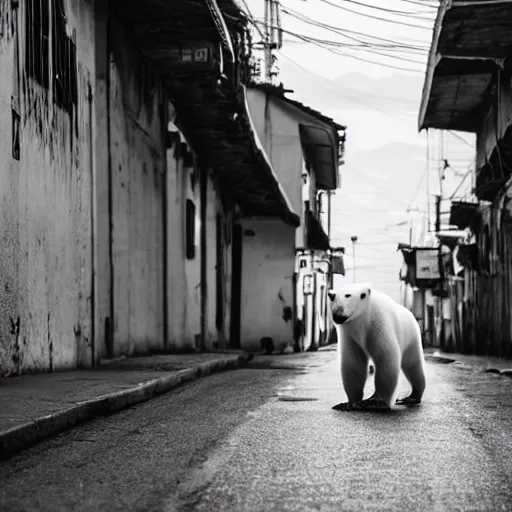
(379, 329)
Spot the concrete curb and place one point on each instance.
(19, 438)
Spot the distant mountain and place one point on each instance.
(398, 92)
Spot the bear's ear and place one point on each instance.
(332, 295)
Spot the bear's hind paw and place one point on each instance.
(408, 400)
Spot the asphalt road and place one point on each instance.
(266, 439)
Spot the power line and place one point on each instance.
(365, 60)
(343, 31)
(375, 17)
(324, 44)
(392, 11)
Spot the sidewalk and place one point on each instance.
(483, 363)
(34, 407)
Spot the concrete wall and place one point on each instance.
(184, 275)
(45, 207)
(138, 159)
(211, 244)
(267, 286)
(216, 337)
(278, 129)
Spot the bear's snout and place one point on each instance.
(339, 318)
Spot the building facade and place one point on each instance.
(468, 88)
(119, 193)
(305, 149)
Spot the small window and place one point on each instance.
(190, 229)
(37, 41)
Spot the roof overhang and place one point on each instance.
(470, 40)
(320, 138)
(190, 45)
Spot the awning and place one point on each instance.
(201, 50)
(338, 265)
(470, 40)
(463, 214)
(321, 150)
(316, 236)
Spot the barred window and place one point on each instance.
(65, 91)
(37, 41)
(63, 51)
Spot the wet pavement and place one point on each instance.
(265, 438)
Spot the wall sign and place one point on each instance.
(427, 264)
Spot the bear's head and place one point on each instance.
(349, 302)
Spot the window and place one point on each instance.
(190, 229)
(65, 91)
(63, 51)
(37, 42)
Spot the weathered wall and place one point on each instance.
(184, 277)
(278, 130)
(137, 128)
(267, 285)
(487, 308)
(45, 207)
(217, 334)
(495, 121)
(211, 244)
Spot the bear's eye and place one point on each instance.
(348, 296)
(363, 295)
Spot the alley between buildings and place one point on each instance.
(265, 438)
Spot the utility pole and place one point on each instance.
(273, 36)
(354, 240)
(438, 213)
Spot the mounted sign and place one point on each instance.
(427, 264)
(307, 288)
(199, 53)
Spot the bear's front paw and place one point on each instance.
(344, 406)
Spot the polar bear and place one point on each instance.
(371, 326)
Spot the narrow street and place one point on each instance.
(265, 438)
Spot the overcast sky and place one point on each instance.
(385, 157)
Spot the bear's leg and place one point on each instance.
(354, 371)
(387, 372)
(412, 366)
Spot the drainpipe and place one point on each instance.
(203, 180)
(329, 193)
(93, 230)
(165, 126)
(109, 321)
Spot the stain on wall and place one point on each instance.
(45, 254)
(138, 182)
(184, 308)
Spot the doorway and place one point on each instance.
(236, 288)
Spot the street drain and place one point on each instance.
(296, 399)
